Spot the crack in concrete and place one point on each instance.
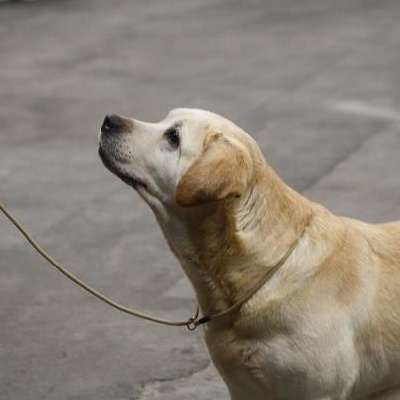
(151, 388)
(344, 158)
(338, 162)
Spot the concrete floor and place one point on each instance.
(316, 82)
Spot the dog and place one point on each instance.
(326, 323)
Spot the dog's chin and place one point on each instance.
(130, 179)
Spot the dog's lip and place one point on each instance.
(130, 180)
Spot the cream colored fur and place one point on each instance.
(327, 324)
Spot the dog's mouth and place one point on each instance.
(130, 180)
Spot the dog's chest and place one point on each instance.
(282, 367)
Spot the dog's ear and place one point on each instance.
(219, 173)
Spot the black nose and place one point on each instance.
(112, 124)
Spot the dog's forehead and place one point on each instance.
(193, 115)
(202, 120)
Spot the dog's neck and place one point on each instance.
(219, 245)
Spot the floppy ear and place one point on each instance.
(220, 172)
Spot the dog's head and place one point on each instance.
(192, 157)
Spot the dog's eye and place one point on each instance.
(173, 137)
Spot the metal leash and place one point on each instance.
(192, 323)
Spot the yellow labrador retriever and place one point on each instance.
(326, 323)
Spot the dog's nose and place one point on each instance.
(113, 124)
